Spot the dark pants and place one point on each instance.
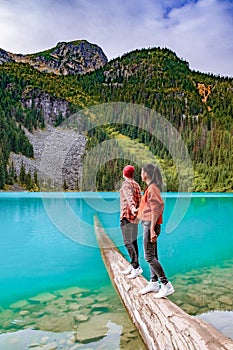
(130, 233)
(151, 254)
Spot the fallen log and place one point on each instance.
(161, 323)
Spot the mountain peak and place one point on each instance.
(66, 58)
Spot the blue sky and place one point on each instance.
(199, 31)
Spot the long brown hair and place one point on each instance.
(154, 174)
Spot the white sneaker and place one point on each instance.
(128, 270)
(165, 290)
(136, 272)
(151, 287)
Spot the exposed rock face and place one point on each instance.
(4, 57)
(76, 57)
(51, 107)
(120, 70)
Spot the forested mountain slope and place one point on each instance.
(198, 105)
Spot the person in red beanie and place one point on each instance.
(130, 196)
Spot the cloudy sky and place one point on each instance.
(199, 31)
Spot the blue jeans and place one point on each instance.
(151, 254)
(130, 233)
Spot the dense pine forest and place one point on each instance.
(199, 106)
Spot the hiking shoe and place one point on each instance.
(136, 272)
(128, 270)
(165, 290)
(151, 287)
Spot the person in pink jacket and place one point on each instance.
(150, 212)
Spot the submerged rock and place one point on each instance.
(41, 298)
(19, 304)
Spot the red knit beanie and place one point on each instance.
(128, 171)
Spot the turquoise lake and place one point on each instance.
(49, 258)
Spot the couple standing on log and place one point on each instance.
(149, 209)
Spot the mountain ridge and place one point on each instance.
(74, 57)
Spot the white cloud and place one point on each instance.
(198, 31)
(202, 33)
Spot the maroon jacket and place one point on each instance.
(130, 196)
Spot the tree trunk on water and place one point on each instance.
(161, 324)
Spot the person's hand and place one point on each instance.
(134, 211)
(153, 236)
